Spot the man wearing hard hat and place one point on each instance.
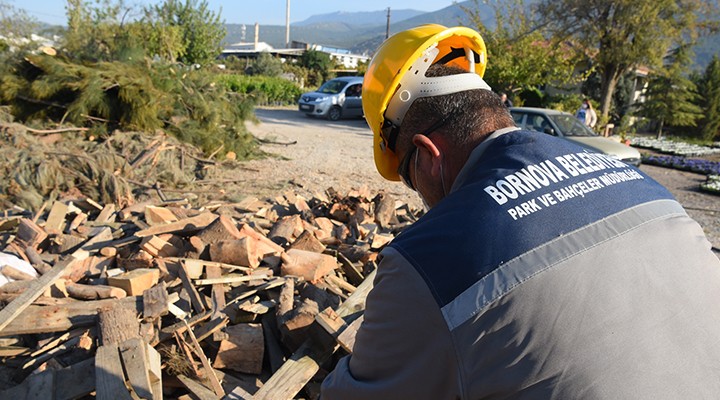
(541, 270)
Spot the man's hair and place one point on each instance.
(466, 117)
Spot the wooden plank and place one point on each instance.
(184, 226)
(155, 301)
(37, 288)
(117, 324)
(55, 222)
(134, 356)
(199, 390)
(135, 282)
(218, 290)
(109, 376)
(346, 338)
(75, 381)
(229, 279)
(63, 317)
(43, 386)
(305, 362)
(243, 350)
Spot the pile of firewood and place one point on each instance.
(250, 300)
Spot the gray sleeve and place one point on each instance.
(403, 349)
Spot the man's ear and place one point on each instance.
(425, 144)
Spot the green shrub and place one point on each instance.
(264, 90)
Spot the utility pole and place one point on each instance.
(287, 24)
(387, 28)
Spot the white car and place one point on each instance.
(567, 126)
(334, 99)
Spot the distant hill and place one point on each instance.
(363, 32)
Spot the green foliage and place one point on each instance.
(15, 22)
(519, 56)
(565, 102)
(265, 90)
(266, 65)
(130, 96)
(670, 95)
(621, 34)
(319, 64)
(200, 29)
(709, 88)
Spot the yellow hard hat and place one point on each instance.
(396, 77)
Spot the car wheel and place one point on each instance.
(334, 113)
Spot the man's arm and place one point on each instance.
(403, 349)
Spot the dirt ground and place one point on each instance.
(312, 155)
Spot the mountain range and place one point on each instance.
(363, 32)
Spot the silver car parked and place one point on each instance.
(335, 99)
(567, 126)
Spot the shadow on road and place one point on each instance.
(292, 117)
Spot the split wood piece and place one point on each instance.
(351, 272)
(94, 243)
(379, 241)
(276, 356)
(197, 389)
(214, 382)
(79, 219)
(182, 227)
(89, 266)
(158, 246)
(180, 327)
(137, 260)
(63, 243)
(346, 338)
(305, 362)
(244, 252)
(49, 345)
(238, 393)
(135, 282)
(331, 322)
(9, 224)
(223, 228)
(307, 264)
(339, 212)
(265, 286)
(385, 211)
(94, 292)
(202, 332)
(143, 367)
(55, 222)
(118, 323)
(36, 261)
(88, 205)
(29, 234)
(195, 267)
(107, 214)
(198, 302)
(36, 362)
(218, 290)
(286, 229)
(309, 242)
(294, 325)
(108, 251)
(15, 274)
(243, 350)
(63, 317)
(37, 288)
(109, 375)
(155, 302)
(339, 282)
(325, 227)
(159, 215)
(268, 246)
(57, 290)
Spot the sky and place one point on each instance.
(263, 12)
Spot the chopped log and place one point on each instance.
(385, 210)
(309, 242)
(57, 290)
(36, 261)
(267, 247)
(94, 292)
(79, 219)
(307, 264)
(159, 215)
(137, 260)
(15, 287)
(117, 324)
(182, 227)
(203, 331)
(37, 288)
(90, 266)
(223, 228)
(379, 241)
(243, 350)
(109, 376)
(157, 246)
(351, 272)
(16, 274)
(243, 252)
(155, 301)
(108, 251)
(286, 229)
(29, 234)
(55, 222)
(135, 282)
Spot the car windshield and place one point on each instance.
(571, 126)
(332, 87)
